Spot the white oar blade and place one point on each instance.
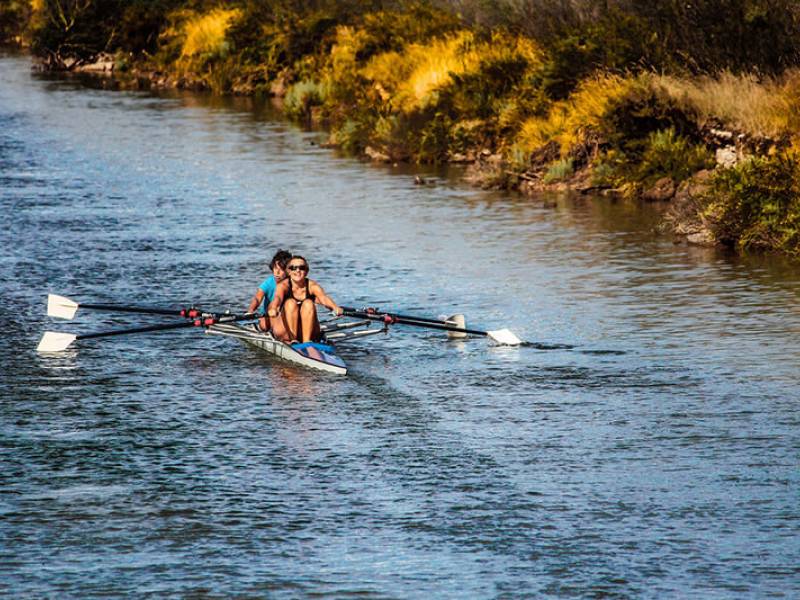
(458, 321)
(505, 337)
(61, 307)
(53, 341)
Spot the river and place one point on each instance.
(655, 452)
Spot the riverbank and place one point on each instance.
(525, 111)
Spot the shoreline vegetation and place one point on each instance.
(694, 105)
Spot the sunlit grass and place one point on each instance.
(570, 121)
(756, 105)
(205, 34)
(411, 79)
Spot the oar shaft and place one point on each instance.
(374, 311)
(206, 321)
(391, 318)
(135, 309)
(164, 327)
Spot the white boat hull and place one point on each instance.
(311, 357)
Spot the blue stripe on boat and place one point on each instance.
(321, 347)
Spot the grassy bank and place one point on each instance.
(668, 102)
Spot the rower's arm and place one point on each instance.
(256, 301)
(277, 301)
(325, 300)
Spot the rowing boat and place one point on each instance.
(319, 355)
(315, 355)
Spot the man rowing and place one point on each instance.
(266, 292)
(295, 300)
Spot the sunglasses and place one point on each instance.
(297, 268)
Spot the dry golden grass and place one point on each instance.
(410, 80)
(205, 34)
(759, 106)
(570, 120)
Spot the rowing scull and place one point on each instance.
(321, 356)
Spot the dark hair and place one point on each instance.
(281, 258)
(298, 257)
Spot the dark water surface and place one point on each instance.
(657, 458)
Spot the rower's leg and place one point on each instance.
(291, 318)
(309, 327)
(262, 324)
(279, 328)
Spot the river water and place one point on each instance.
(653, 453)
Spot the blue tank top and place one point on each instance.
(268, 287)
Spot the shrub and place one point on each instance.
(302, 97)
(559, 171)
(757, 204)
(353, 135)
(616, 42)
(668, 154)
(570, 123)
(393, 30)
(204, 35)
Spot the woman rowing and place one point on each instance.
(266, 292)
(295, 301)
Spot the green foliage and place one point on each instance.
(392, 30)
(702, 36)
(604, 174)
(467, 135)
(434, 139)
(302, 97)
(757, 204)
(476, 94)
(559, 171)
(642, 111)
(353, 135)
(668, 154)
(222, 74)
(614, 43)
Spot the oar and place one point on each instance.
(501, 336)
(64, 308)
(375, 311)
(53, 341)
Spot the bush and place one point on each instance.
(668, 154)
(559, 171)
(703, 36)
(302, 97)
(353, 135)
(757, 204)
(580, 118)
(618, 42)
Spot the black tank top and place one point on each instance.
(309, 295)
